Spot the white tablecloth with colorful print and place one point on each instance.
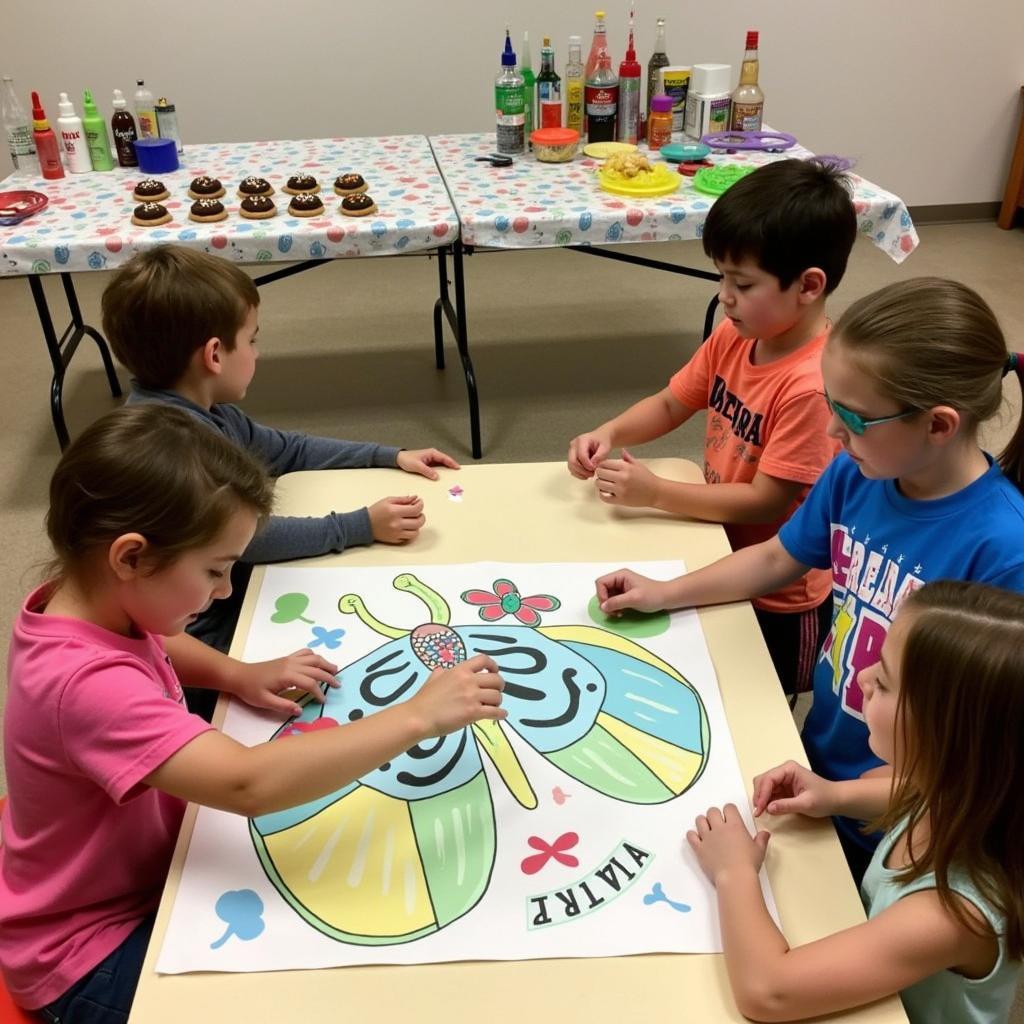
(537, 205)
(87, 224)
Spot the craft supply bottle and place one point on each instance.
(601, 92)
(510, 103)
(122, 125)
(748, 100)
(708, 100)
(19, 132)
(167, 122)
(529, 90)
(145, 111)
(46, 142)
(72, 137)
(598, 43)
(659, 59)
(96, 137)
(549, 89)
(659, 123)
(629, 93)
(574, 86)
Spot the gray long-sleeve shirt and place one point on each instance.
(286, 451)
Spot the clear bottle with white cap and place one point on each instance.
(72, 137)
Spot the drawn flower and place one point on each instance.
(505, 600)
(330, 638)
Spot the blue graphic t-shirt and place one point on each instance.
(881, 547)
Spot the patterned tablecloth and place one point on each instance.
(87, 224)
(537, 205)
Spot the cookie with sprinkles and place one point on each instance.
(253, 186)
(204, 210)
(149, 215)
(306, 204)
(301, 183)
(205, 187)
(349, 184)
(150, 191)
(257, 207)
(359, 204)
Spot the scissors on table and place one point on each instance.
(495, 160)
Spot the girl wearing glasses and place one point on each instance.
(911, 372)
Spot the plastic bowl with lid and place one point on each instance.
(555, 145)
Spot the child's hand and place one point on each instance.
(723, 844)
(261, 683)
(454, 697)
(586, 451)
(792, 789)
(627, 482)
(627, 589)
(420, 460)
(397, 520)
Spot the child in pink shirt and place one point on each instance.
(149, 509)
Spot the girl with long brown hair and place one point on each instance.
(944, 890)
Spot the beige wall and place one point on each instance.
(924, 94)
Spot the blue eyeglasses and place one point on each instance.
(856, 423)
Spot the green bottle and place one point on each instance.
(529, 88)
(96, 137)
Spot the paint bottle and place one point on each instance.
(629, 93)
(659, 59)
(96, 137)
(708, 100)
(19, 132)
(46, 142)
(510, 103)
(145, 112)
(529, 89)
(601, 91)
(748, 100)
(574, 86)
(72, 137)
(659, 123)
(167, 122)
(122, 126)
(549, 89)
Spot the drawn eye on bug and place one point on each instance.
(409, 848)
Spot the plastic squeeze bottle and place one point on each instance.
(145, 111)
(122, 124)
(530, 87)
(629, 93)
(46, 142)
(167, 122)
(659, 59)
(72, 136)
(574, 86)
(96, 137)
(510, 103)
(19, 133)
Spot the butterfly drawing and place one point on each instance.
(409, 848)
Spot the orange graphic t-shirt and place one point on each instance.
(769, 419)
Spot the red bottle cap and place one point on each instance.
(751, 40)
(37, 108)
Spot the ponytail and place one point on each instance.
(1011, 458)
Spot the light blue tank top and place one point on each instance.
(946, 997)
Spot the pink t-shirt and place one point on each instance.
(86, 845)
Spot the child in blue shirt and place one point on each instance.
(911, 371)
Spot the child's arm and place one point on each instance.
(650, 418)
(760, 569)
(914, 938)
(216, 771)
(257, 683)
(629, 482)
(791, 788)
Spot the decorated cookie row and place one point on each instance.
(304, 204)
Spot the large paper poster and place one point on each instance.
(558, 832)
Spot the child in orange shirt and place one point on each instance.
(780, 238)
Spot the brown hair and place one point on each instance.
(153, 470)
(960, 718)
(930, 341)
(165, 303)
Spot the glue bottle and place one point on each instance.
(629, 92)
(145, 111)
(510, 103)
(96, 135)
(72, 137)
(46, 142)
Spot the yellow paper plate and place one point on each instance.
(658, 182)
(603, 150)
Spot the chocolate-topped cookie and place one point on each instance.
(257, 207)
(253, 186)
(300, 183)
(207, 210)
(150, 191)
(306, 204)
(205, 187)
(348, 184)
(359, 204)
(149, 215)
